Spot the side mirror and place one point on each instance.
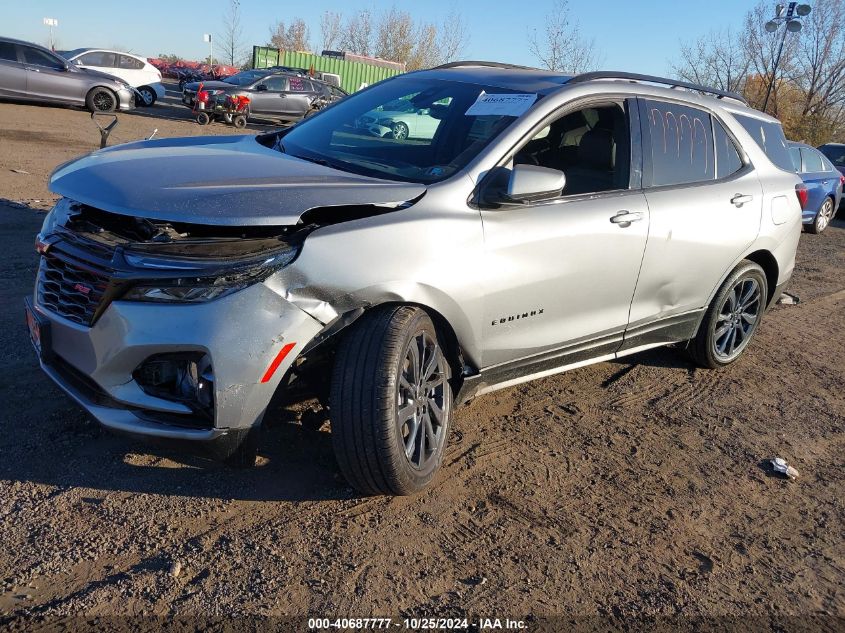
(261, 87)
(77, 61)
(532, 183)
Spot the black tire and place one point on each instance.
(147, 96)
(823, 217)
(203, 118)
(239, 121)
(101, 100)
(374, 387)
(238, 448)
(399, 131)
(712, 346)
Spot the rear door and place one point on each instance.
(298, 98)
(705, 206)
(48, 79)
(12, 72)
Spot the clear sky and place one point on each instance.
(634, 36)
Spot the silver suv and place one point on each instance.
(548, 222)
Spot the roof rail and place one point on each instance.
(464, 64)
(672, 83)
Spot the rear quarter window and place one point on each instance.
(7, 52)
(769, 136)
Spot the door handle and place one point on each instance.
(740, 199)
(624, 218)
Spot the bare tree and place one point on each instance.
(293, 37)
(560, 45)
(820, 59)
(452, 37)
(331, 29)
(718, 59)
(358, 33)
(396, 36)
(232, 37)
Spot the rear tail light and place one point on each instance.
(803, 194)
(842, 179)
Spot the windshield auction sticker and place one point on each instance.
(502, 104)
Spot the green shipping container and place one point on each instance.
(353, 75)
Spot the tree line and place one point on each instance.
(808, 86)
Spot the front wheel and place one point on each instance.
(101, 100)
(390, 402)
(823, 217)
(732, 318)
(399, 131)
(146, 96)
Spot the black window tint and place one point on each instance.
(40, 58)
(769, 136)
(681, 144)
(7, 52)
(728, 160)
(795, 155)
(812, 160)
(99, 59)
(836, 153)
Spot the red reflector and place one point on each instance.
(277, 361)
(40, 246)
(803, 195)
(842, 180)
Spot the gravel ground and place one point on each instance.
(636, 488)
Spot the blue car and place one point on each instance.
(822, 190)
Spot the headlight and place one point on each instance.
(56, 218)
(199, 289)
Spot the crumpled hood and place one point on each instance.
(222, 180)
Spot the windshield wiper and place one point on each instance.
(321, 161)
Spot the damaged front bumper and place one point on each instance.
(243, 335)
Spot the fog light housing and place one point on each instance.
(187, 378)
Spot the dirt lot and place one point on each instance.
(631, 488)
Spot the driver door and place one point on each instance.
(561, 273)
(268, 100)
(48, 79)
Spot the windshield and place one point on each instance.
(835, 153)
(408, 128)
(244, 77)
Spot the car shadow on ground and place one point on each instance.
(46, 438)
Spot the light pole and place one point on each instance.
(51, 22)
(790, 15)
(207, 38)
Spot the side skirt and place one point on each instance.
(673, 329)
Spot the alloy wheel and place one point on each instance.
(421, 403)
(825, 215)
(103, 101)
(147, 96)
(737, 320)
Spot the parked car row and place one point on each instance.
(284, 95)
(30, 72)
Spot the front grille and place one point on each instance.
(73, 291)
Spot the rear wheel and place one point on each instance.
(391, 402)
(732, 318)
(203, 118)
(239, 121)
(823, 217)
(101, 100)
